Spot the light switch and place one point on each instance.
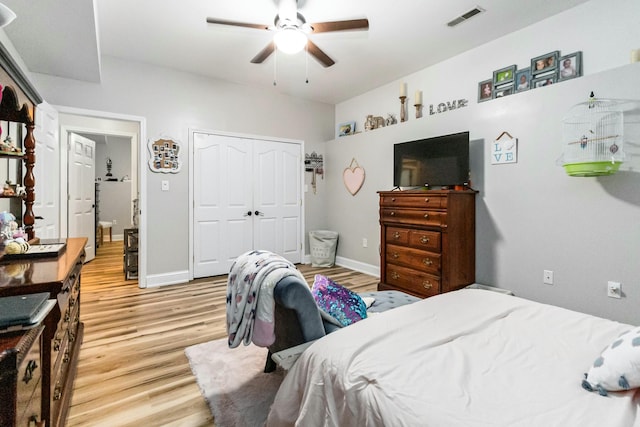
(165, 185)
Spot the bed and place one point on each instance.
(464, 358)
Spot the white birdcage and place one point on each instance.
(593, 138)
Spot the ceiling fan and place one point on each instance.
(291, 32)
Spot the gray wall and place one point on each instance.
(530, 215)
(189, 101)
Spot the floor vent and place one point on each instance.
(473, 12)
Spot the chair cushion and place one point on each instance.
(344, 305)
(386, 300)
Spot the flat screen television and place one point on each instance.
(442, 161)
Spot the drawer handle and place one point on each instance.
(424, 240)
(426, 215)
(66, 357)
(427, 284)
(395, 275)
(392, 213)
(427, 261)
(426, 200)
(393, 199)
(67, 316)
(28, 372)
(56, 344)
(72, 337)
(395, 255)
(57, 393)
(396, 235)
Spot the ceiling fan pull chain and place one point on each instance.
(275, 65)
(306, 63)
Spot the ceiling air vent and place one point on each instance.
(473, 12)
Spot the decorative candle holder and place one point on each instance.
(418, 110)
(403, 115)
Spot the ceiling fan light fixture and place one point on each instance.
(290, 40)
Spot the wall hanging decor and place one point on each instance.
(164, 155)
(504, 149)
(353, 177)
(592, 137)
(314, 163)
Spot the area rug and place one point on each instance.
(231, 380)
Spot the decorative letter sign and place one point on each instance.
(504, 149)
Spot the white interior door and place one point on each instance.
(247, 195)
(47, 173)
(82, 175)
(277, 198)
(222, 202)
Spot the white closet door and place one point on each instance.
(233, 178)
(222, 193)
(277, 198)
(82, 176)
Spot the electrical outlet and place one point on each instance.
(165, 185)
(614, 289)
(114, 222)
(365, 242)
(548, 277)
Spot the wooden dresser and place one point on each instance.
(427, 241)
(63, 331)
(20, 378)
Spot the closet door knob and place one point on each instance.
(259, 213)
(248, 213)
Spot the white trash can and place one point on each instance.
(322, 245)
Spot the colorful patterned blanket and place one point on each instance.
(250, 303)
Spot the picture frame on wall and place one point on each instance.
(570, 66)
(523, 80)
(346, 128)
(485, 90)
(544, 63)
(504, 75)
(502, 91)
(544, 80)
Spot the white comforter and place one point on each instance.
(465, 358)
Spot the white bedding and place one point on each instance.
(464, 358)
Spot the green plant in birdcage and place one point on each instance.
(592, 137)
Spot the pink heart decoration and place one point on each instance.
(353, 178)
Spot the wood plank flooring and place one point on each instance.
(132, 369)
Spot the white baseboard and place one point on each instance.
(371, 270)
(155, 280)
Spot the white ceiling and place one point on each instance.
(67, 38)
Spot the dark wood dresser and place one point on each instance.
(63, 330)
(427, 241)
(20, 378)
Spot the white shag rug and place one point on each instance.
(231, 380)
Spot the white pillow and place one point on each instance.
(618, 366)
(368, 301)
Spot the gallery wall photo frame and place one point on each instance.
(570, 66)
(164, 154)
(502, 91)
(523, 80)
(544, 63)
(485, 90)
(504, 75)
(544, 80)
(346, 128)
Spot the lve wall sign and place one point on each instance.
(504, 149)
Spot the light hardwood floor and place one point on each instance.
(132, 369)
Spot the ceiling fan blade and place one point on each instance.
(264, 54)
(237, 24)
(317, 53)
(353, 24)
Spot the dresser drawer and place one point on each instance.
(414, 216)
(412, 281)
(426, 201)
(399, 236)
(423, 239)
(414, 258)
(28, 390)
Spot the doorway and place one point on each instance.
(108, 128)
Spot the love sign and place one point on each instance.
(353, 177)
